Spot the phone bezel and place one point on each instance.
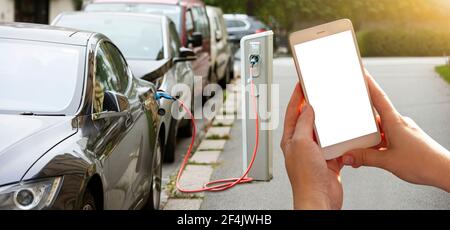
(317, 32)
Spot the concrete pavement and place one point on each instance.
(415, 90)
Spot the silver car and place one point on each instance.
(152, 47)
(221, 55)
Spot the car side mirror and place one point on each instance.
(184, 55)
(114, 105)
(219, 35)
(196, 39)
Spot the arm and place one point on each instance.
(407, 151)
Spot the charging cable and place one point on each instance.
(224, 184)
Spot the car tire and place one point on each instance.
(169, 152)
(88, 201)
(186, 130)
(212, 79)
(231, 70)
(154, 198)
(226, 79)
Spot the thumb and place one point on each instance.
(305, 123)
(365, 157)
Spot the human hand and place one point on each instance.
(315, 182)
(406, 151)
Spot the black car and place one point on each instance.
(77, 130)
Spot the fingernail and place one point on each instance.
(348, 160)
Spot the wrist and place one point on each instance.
(311, 201)
(440, 169)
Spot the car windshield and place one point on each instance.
(171, 11)
(136, 36)
(39, 77)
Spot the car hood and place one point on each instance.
(149, 69)
(24, 139)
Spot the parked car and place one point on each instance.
(77, 130)
(151, 45)
(240, 25)
(237, 64)
(221, 56)
(189, 17)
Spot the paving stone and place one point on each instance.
(220, 132)
(231, 110)
(212, 145)
(233, 88)
(224, 120)
(183, 204)
(194, 177)
(205, 157)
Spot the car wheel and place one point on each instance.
(88, 201)
(186, 129)
(226, 78)
(231, 70)
(169, 151)
(212, 79)
(156, 175)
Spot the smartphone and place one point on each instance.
(331, 74)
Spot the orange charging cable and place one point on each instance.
(224, 184)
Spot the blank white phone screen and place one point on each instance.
(334, 82)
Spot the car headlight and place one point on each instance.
(29, 195)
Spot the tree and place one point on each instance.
(296, 14)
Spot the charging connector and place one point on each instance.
(165, 95)
(254, 60)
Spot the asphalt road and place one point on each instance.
(415, 90)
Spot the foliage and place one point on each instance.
(385, 27)
(404, 42)
(296, 14)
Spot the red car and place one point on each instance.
(189, 16)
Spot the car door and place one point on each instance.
(201, 25)
(137, 137)
(117, 143)
(221, 44)
(182, 70)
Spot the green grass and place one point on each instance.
(444, 71)
(218, 137)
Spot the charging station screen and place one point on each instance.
(336, 89)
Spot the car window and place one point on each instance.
(138, 37)
(216, 22)
(175, 42)
(205, 20)
(201, 21)
(40, 77)
(189, 22)
(111, 73)
(171, 11)
(120, 66)
(235, 23)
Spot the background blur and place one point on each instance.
(384, 27)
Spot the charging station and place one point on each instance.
(261, 46)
